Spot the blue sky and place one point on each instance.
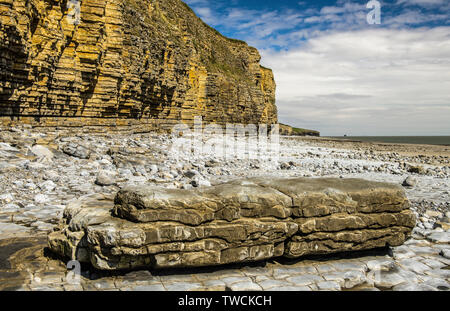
(337, 73)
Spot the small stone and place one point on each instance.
(439, 237)
(10, 208)
(35, 166)
(328, 286)
(416, 170)
(187, 186)
(77, 151)
(414, 265)
(200, 182)
(433, 214)
(387, 280)
(153, 169)
(381, 265)
(51, 175)
(269, 284)
(6, 198)
(41, 198)
(191, 173)
(445, 253)
(409, 182)
(245, 286)
(42, 152)
(212, 163)
(105, 178)
(47, 186)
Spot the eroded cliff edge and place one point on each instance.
(144, 62)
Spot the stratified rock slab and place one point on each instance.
(240, 221)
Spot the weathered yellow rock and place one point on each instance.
(126, 60)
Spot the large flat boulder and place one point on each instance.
(239, 221)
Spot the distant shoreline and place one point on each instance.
(414, 140)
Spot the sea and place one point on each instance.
(417, 140)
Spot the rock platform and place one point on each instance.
(239, 221)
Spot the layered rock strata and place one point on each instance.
(125, 62)
(239, 221)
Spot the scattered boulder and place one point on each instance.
(76, 150)
(106, 178)
(240, 221)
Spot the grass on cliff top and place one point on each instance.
(213, 29)
(301, 131)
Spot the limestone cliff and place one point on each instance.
(125, 62)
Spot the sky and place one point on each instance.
(341, 75)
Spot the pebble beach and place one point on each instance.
(42, 170)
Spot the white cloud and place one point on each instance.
(368, 82)
(421, 2)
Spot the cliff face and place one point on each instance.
(125, 62)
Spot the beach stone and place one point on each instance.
(414, 265)
(11, 207)
(47, 185)
(328, 286)
(42, 152)
(41, 198)
(409, 182)
(388, 280)
(348, 279)
(239, 221)
(76, 150)
(6, 198)
(381, 265)
(433, 214)
(445, 253)
(105, 178)
(439, 237)
(416, 169)
(413, 287)
(200, 182)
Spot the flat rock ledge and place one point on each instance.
(240, 221)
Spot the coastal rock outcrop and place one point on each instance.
(149, 63)
(239, 221)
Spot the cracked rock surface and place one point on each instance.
(239, 221)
